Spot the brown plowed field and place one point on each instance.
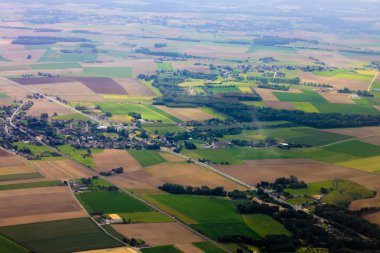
(191, 174)
(356, 132)
(4, 153)
(12, 161)
(62, 169)
(269, 170)
(158, 234)
(266, 94)
(337, 98)
(371, 181)
(113, 158)
(38, 204)
(134, 87)
(99, 85)
(59, 89)
(139, 179)
(44, 106)
(16, 170)
(338, 83)
(186, 114)
(280, 105)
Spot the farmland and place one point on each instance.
(207, 126)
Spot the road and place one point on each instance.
(373, 80)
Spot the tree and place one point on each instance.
(29, 57)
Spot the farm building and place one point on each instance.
(114, 219)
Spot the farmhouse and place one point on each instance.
(114, 219)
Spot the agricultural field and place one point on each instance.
(60, 236)
(147, 158)
(79, 155)
(109, 159)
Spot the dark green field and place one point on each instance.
(8, 246)
(30, 185)
(306, 96)
(111, 202)
(60, 236)
(208, 247)
(162, 249)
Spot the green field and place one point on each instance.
(164, 66)
(233, 155)
(312, 188)
(76, 116)
(36, 150)
(108, 72)
(305, 96)
(305, 106)
(347, 74)
(167, 115)
(54, 56)
(370, 164)
(147, 157)
(346, 108)
(320, 154)
(145, 217)
(271, 49)
(124, 109)
(79, 155)
(8, 246)
(265, 225)
(162, 128)
(217, 216)
(67, 65)
(222, 89)
(208, 247)
(60, 236)
(355, 147)
(2, 95)
(111, 202)
(30, 185)
(162, 249)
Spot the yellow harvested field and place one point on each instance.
(134, 87)
(113, 158)
(62, 169)
(266, 94)
(12, 90)
(36, 205)
(16, 170)
(139, 179)
(113, 250)
(12, 161)
(171, 158)
(158, 234)
(191, 174)
(45, 106)
(187, 114)
(337, 98)
(62, 89)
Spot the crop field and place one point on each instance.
(208, 247)
(187, 114)
(30, 185)
(280, 105)
(265, 225)
(107, 71)
(269, 170)
(79, 155)
(162, 128)
(60, 236)
(216, 216)
(164, 113)
(24, 206)
(191, 174)
(111, 250)
(8, 246)
(135, 87)
(341, 73)
(109, 159)
(337, 98)
(145, 217)
(305, 106)
(312, 188)
(158, 234)
(162, 249)
(146, 157)
(346, 108)
(62, 169)
(111, 202)
(222, 89)
(68, 65)
(53, 56)
(305, 96)
(36, 150)
(164, 66)
(233, 155)
(48, 107)
(2, 96)
(124, 109)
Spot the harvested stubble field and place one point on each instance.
(186, 114)
(113, 158)
(158, 234)
(191, 174)
(357, 131)
(12, 90)
(99, 85)
(134, 87)
(188, 248)
(113, 250)
(139, 179)
(35, 205)
(268, 170)
(44, 106)
(280, 105)
(62, 169)
(337, 98)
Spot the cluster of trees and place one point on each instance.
(318, 120)
(135, 115)
(143, 50)
(264, 79)
(160, 45)
(273, 87)
(114, 171)
(362, 93)
(45, 40)
(276, 41)
(292, 183)
(203, 190)
(252, 207)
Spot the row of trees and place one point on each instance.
(190, 190)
